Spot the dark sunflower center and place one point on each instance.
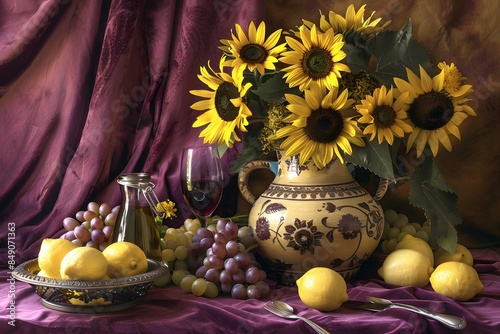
(324, 125)
(431, 111)
(317, 63)
(226, 110)
(253, 54)
(384, 116)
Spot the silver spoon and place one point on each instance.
(450, 321)
(288, 309)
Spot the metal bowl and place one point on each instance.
(89, 296)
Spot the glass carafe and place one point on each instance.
(136, 218)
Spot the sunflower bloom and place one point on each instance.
(434, 113)
(224, 110)
(255, 51)
(350, 23)
(385, 116)
(315, 58)
(316, 128)
(453, 80)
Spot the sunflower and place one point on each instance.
(317, 128)
(352, 22)
(434, 112)
(253, 52)
(223, 105)
(385, 116)
(453, 80)
(315, 58)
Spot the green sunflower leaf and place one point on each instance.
(357, 59)
(396, 49)
(252, 150)
(374, 157)
(429, 191)
(273, 90)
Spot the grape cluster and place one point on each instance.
(92, 227)
(206, 261)
(397, 225)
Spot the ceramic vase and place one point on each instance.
(310, 217)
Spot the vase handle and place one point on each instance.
(382, 188)
(245, 172)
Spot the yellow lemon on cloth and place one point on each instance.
(125, 259)
(462, 254)
(456, 280)
(322, 289)
(84, 263)
(406, 267)
(420, 245)
(51, 254)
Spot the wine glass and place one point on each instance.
(201, 180)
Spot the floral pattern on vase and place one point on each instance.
(309, 217)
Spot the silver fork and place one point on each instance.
(287, 315)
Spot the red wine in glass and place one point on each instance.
(201, 180)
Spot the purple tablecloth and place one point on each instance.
(170, 310)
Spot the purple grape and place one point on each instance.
(243, 260)
(94, 207)
(92, 244)
(116, 209)
(253, 292)
(262, 275)
(201, 272)
(97, 236)
(264, 289)
(104, 209)
(103, 245)
(79, 216)
(206, 243)
(204, 232)
(194, 248)
(96, 223)
(232, 228)
(252, 275)
(239, 277)
(82, 234)
(231, 265)
(108, 230)
(70, 223)
(192, 262)
(225, 277)
(239, 291)
(220, 237)
(209, 252)
(70, 235)
(226, 288)
(232, 248)
(88, 215)
(216, 262)
(212, 275)
(219, 249)
(221, 224)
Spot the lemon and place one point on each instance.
(456, 280)
(125, 259)
(51, 254)
(462, 254)
(406, 267)
(84, 263)
(322, 289)
(411, 242)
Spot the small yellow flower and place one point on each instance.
(453, 80)
(168, 207)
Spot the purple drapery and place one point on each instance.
(93, 89)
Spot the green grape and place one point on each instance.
(400, 223)
(409, 229)
(393, 233)
(181, 252)
(178, 275)
(402, 216)
(417, 226)
(422, 235)
(182, 239)
(187, 282)
(181, 265)
(199, 287)
(171, 243)
(401, 236)
(168, 255)
(391, 244)
(162, 281)
(390, 216)
(212, 290)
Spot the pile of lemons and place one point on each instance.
(62, 259)
(414, 263)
